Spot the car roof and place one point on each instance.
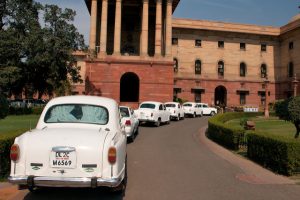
(80, 99)
(152, 102)
(125, 107)
(171, 103)
(189, 103)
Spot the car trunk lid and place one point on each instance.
(65, 152)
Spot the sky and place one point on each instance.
(260, 12)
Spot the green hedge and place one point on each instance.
(279, 154)
(25, 111)
(5, 144)
(224, 134)
(3, 107)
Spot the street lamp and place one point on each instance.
(295, 84)
(266, 81)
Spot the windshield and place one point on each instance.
(170, 105)
(124, 112)
(188, 105)
(148, 105)
(77, 113)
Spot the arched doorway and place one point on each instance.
(129, 87)
(220, 96)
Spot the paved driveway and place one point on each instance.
(177, 162)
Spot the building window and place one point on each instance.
(197, 97)
(221, 68)
(263, 47)
(243, 69)
(263, 98)
(243, 46)
(198, 67)
(242, 98)
(263, 71)
(175, 65)
(221, 44)
(291, 45)
(198, 43)
(291, 69)
(174, 41)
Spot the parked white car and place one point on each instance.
(192, 109)
(206, 110)
(130, 121)
(176, 110)
(78, 142)
(153, 112)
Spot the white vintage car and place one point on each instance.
(176, 110)
(153, 112)
(192, 109)
(130, 121)
(206, 110)
(78, 142)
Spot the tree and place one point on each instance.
(289, 110)
(3, 107)
(38, 51)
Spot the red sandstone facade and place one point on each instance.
(139, 53)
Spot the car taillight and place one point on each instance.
(14, 152)
(112, 155)
(128, 123)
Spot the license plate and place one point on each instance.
(63, 159)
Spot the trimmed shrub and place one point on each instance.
(3, 107)
(25, 111)
(279, 154)
(5, 144)
(224, 134)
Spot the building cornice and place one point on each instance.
(225, 27)
(88, 4)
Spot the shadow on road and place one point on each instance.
(74, 194)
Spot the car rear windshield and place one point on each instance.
(188, 105)
(148, 105)
(77, 113)
(124, 112)
(170, 105)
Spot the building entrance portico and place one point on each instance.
(130, 42)
(129, 87)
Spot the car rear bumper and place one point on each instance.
(38, 181)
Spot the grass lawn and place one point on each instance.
(15, 124)
(272, 125)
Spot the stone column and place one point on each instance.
(118, 25)
(295, 84)
(169, 28)
(103, 34)
(145, 28)
(93, 25)
(158, 28)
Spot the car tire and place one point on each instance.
(157, 124)
(34, 190)
(137, 131)
(131, 138)
(212, 113)
(194, 115)
(178, 117)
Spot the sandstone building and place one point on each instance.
(138, 52)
